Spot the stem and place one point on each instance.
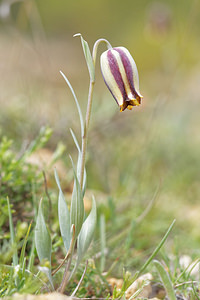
(85, 135)
(65, 279)
(89, 107)
(96, 45)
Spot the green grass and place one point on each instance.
(133, 157)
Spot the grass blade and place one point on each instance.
(157, 248)
(12, 234)
(22, 255)
(103, 241)
(31, 257)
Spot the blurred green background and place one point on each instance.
(130, 154)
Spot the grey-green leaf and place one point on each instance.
(79, 162)
(88, 57)
(42, 237)
(77, 206)
(63, 215)
(166, 280)
(76, 101)
(87, 231)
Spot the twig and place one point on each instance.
(186, 282)
(62, 263)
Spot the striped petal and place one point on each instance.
(121, 77)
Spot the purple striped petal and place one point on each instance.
(121, 77)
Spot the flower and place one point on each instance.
(121, 77)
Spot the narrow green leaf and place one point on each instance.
(157, 248)
(31, 257)
(87, 231)
(76, 101)
(75, 140)
(88, 57)
(22, 255)
(165, 280)
(12, 234)
(103, 240)
(63, 215)
(77, 206)
(79, 162)
(42, 237)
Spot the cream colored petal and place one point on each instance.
(123, 75)
(134, 68)
(109, 79)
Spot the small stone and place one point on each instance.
(146, 291)
(114, 282)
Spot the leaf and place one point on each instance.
(22, 255)
(31, 257)
(42, 237)
(12, 234)
(87, 231)
(157, 248)
(166, 280)
(102, 241)
(77, 206)
(79, 162)
(75, 140)
(43, 243)
(63, 215)
(76, 101)
(88, 57)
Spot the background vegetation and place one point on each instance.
(131, 155)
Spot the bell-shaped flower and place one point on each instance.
(121, 77)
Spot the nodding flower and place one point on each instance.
(121, 77)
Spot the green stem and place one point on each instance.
(96, 45)
(85, 135)
(89, 107)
